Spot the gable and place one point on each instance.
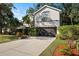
(53, 14)
(47, 17)
(44, 7)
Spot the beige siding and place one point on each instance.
(53, 14)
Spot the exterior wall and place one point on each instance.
(52, 21)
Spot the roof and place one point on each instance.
(47, 7)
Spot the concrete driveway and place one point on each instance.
(26, 47)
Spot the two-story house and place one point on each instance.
(46, 20)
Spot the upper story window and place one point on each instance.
(45, 13)
(45, 16)
(46, 19)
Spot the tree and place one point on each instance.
(7, 19)
(70, 12)
(30, 10)
(26, 19)
(14, 22)
(5, 14)
(38, 5)
(57, 5)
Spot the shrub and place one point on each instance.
(32, 31)
(66, 51)
(59, 50)
(19, 34)
(69, 32)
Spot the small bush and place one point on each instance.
(32, 31)
(59, 50)
(19, 34)
(66, 51)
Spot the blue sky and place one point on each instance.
(20, 10)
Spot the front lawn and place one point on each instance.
(50, 49)
(7, 38)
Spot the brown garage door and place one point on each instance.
(47, 31)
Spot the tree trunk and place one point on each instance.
(29, 30)
(0, 29)
(71, 21)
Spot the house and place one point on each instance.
(46, 20)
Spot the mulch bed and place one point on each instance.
(57, 51)
(75, 52)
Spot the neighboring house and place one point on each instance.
(47, 19)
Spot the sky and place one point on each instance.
(20, 10)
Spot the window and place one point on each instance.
(45, 13)
(45, 16)
(46, 19)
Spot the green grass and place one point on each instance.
(50, 49)
(7, 38)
